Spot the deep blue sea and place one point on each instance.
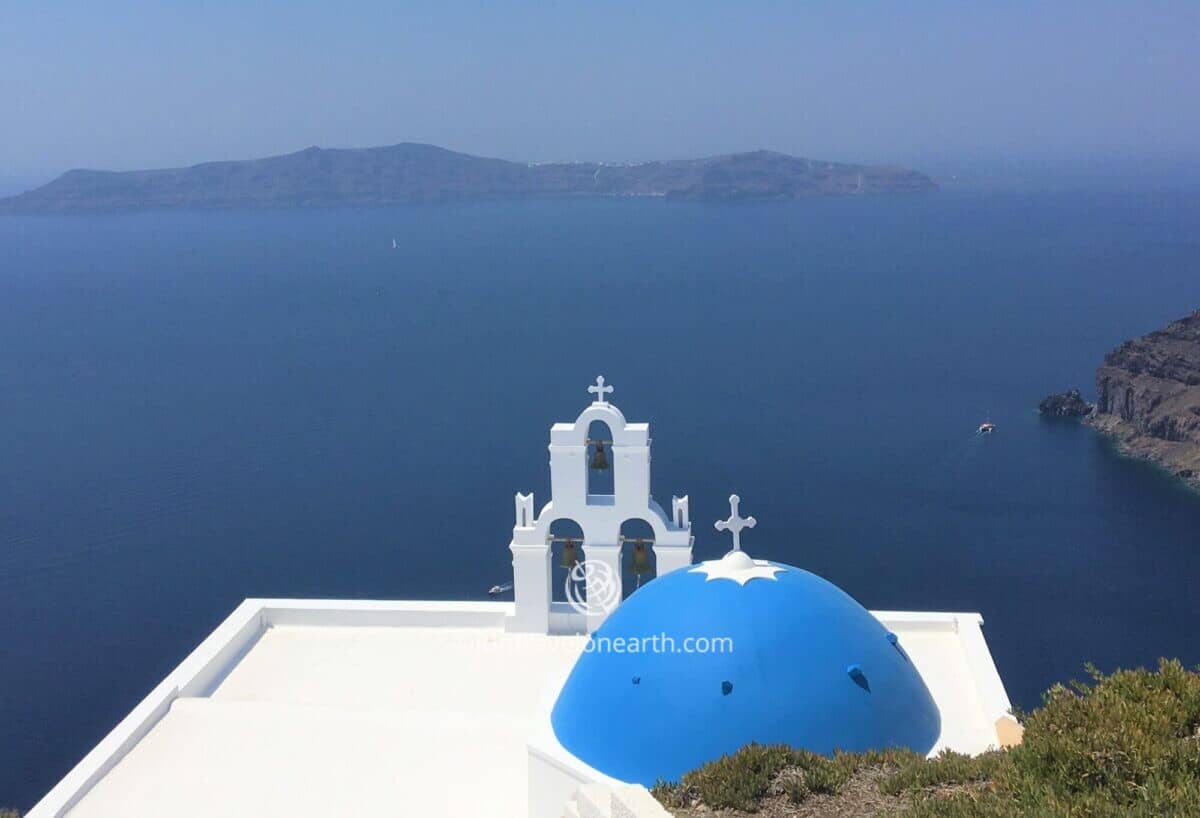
(199, 407)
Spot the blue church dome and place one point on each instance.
(804, 664)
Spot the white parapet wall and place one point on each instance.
(954, 660)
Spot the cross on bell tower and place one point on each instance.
(735, 523)
(600, 390)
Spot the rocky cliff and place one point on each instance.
(1148, 397)
(417, 173)
(1069, 404)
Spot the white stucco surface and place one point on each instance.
(363, 721)
(324, 718)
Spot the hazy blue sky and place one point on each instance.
(120, 84)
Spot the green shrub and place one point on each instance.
(1115, 738)
(826, 778)
(810, 773)
(946, 769)
(1126, 745)
(670, 794)
(740, 780)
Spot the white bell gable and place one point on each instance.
(599, 516)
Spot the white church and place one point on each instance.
(540, 707)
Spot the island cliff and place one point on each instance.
(414, 173)
(1148, 397)
(1069, 404)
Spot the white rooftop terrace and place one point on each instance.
(296, 708)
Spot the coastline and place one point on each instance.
(1148, 398)
(1127, 441)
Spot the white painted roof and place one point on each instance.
(316, 708)
(363, 721)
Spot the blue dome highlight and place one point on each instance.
(808, 667)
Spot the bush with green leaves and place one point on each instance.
(737, 781)
(947, 769)
(1125, 745)
(742, 779)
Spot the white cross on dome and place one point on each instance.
(735, 523)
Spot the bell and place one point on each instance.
(569, 559)
(641, 560)
(599, 458)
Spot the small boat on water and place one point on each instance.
(986, 428)
(499, 589)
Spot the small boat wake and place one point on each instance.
(499, 589)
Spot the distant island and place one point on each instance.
(1148, 398)
(408, 172)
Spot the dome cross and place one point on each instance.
(735, 523)
(600, 390)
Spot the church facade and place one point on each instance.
(381, 707)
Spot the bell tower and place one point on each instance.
(599, 516)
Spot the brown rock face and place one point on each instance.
(1149, 397)
(1069, 404)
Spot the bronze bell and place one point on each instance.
(640, 560)
(599, 457)
(568, 555)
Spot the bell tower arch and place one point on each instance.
(599, 515)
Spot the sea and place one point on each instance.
(198, 407)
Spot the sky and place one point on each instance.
(937, 85)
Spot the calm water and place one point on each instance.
(201, 407)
